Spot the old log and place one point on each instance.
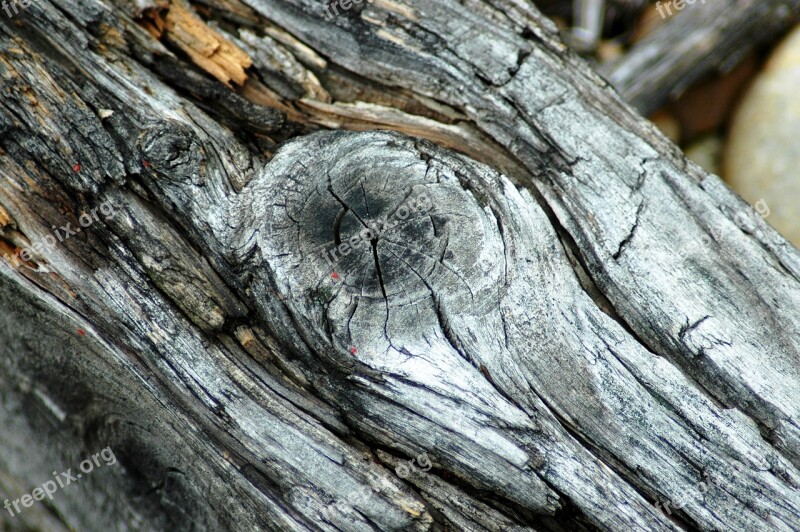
(520, 309)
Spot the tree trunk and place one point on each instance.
(521, 309)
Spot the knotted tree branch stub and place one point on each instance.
(382, 308)
(438, 339)
(461, 332)
(387, 317)
(599, 166)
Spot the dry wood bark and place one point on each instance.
(558, 340)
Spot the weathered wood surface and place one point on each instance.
(566, 344)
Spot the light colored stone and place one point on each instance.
(706, 152)
(762, 156)
(668, 124)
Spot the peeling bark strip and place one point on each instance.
(244, 384)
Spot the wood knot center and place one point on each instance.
(371, 240)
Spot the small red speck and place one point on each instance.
(335, 275)
(77, 167)
(81, 332)
(353, 350)
(146, 164)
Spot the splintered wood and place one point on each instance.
(5, 218)
(205, 47)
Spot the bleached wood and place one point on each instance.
(557, 343)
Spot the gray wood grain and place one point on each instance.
(553, 113)
(555, 341)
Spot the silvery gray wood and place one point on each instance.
(553, 113)
(517, 315)
(527, 334)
